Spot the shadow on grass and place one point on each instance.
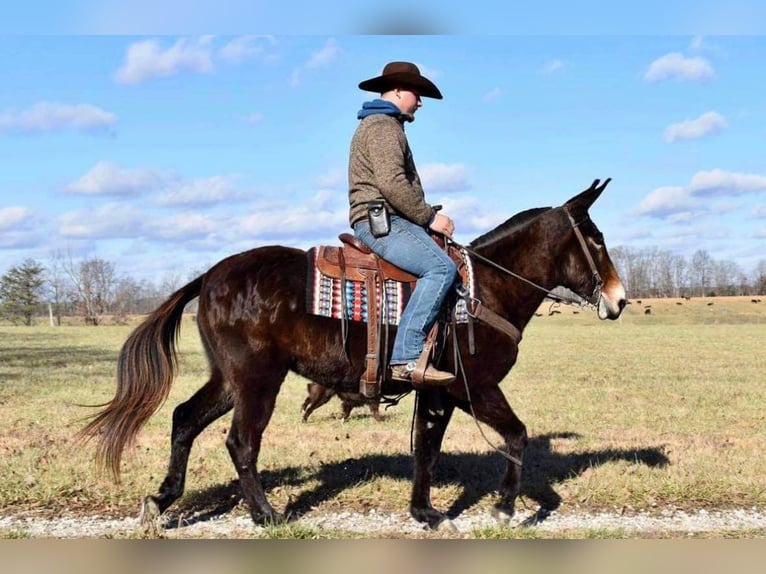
(55, 357)
(479, 475)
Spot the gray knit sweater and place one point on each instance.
(381, 167)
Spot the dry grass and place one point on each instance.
(652, 411)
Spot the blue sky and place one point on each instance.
(166, 153)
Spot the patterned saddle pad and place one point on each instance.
(327, 291)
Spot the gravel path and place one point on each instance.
(375, 524)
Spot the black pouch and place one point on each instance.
(380, 222)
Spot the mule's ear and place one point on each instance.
(583, 200)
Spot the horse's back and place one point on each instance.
(248, 287)
(255, 302)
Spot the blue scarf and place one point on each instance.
(378, 107)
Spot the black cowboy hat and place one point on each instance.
(401, 75)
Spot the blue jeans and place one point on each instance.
(410, 247)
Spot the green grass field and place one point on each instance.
(642, 414)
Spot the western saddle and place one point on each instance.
(354, 261)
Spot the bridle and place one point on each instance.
(598, 282)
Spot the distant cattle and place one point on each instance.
(755, 300)
(679, 303)
(319, 395)
(648, 311)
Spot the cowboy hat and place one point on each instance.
(401, 75)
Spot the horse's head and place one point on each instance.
(587, 269)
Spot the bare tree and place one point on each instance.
(56, 287)
(93, 282)
(700, 272)
(726, 277)
(759, 278)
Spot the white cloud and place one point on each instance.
(14, 217)
(318, 59)
(723, 183)
(676, 65)
(106, 178)
(54, 116)
(115, 220)
(147, 59)
(687, 202)
(553, 66)
(20, 228)
(188, 225)
(324, 214)
(471, 215)
(206, 191)
(491, 95)
(333, 179)
(759, 211)
(246, 47)
(667, 202)
(324, 56)
(708, 123)
(440, 177)
(255, 118)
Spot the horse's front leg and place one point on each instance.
(433, 413)
(491, 407)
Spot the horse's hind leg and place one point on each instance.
(491, 407)
(252, 412)
(318, 396)
(189, 419)
(434, 410)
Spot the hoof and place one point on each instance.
(149, 517)
(502, 515)
(269, 519)
(446, 526)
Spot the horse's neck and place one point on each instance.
(510, 296)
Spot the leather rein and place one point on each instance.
(597, 280)
(478, 311)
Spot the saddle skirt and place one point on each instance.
(341, 278)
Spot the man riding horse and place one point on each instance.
(388, 211)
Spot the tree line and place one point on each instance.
(92, 289)
(653, 272)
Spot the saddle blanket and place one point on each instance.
(325, 295)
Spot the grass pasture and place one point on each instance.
(653, 411)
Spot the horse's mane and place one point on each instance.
(510, 226)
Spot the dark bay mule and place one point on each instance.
(254, 327)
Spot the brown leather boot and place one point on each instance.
(432, 376)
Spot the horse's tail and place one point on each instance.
(145, 373)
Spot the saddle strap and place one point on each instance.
(369, 385)
(494, 320)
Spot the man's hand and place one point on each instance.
(443, 224)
